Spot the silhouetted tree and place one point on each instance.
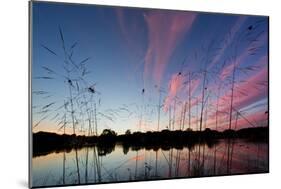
(128, 132)
(108, 133)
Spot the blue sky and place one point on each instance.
(132, 49)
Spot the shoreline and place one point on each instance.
(45, 143)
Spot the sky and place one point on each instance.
(131, 68)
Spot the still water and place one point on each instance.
(95, 165)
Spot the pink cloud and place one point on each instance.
(175, 86)
(254, 118)
(193, 86)
(253, 89)
(227, 71)
(250, 86)
(178, 87)
(164, 33)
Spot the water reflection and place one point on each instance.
(115, 162)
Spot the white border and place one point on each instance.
(14, 91)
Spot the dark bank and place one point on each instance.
(45, 143)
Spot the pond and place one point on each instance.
(118, 164)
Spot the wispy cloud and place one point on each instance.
(229, 38)
(165, 30)
(227, 71)
(254, 88)
(175, 85)
(130, 31)
(256, 119)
